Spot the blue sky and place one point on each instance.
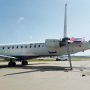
(37, 20)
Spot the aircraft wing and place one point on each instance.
(7, 57)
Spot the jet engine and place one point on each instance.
(52, 43)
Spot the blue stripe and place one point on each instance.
(76, 39)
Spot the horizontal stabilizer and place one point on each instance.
(77, 39)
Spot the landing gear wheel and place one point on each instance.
(11, 64)
(24, 62)
(14, 64)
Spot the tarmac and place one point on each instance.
(45, 75)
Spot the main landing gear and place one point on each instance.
(24, 63)
(11, 64)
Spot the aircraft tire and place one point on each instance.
(11, 64)
(14, 64)
(24, 62)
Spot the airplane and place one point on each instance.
(51, 47)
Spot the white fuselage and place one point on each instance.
(31, 50)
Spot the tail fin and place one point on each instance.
(65, 21)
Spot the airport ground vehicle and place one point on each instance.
(61, 59)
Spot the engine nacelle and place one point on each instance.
(52, 43)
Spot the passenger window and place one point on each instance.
(3, 48)
(25, 46)
(17, 47)
(38, 45)
(34, 45)
(30, 46)
(21, 46)
(13, 47)
(79, 45)
(8, 47)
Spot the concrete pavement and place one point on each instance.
(54, 75)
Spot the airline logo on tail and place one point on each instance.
(77, 39)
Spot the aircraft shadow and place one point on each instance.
(41, 68)
(19, 65)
